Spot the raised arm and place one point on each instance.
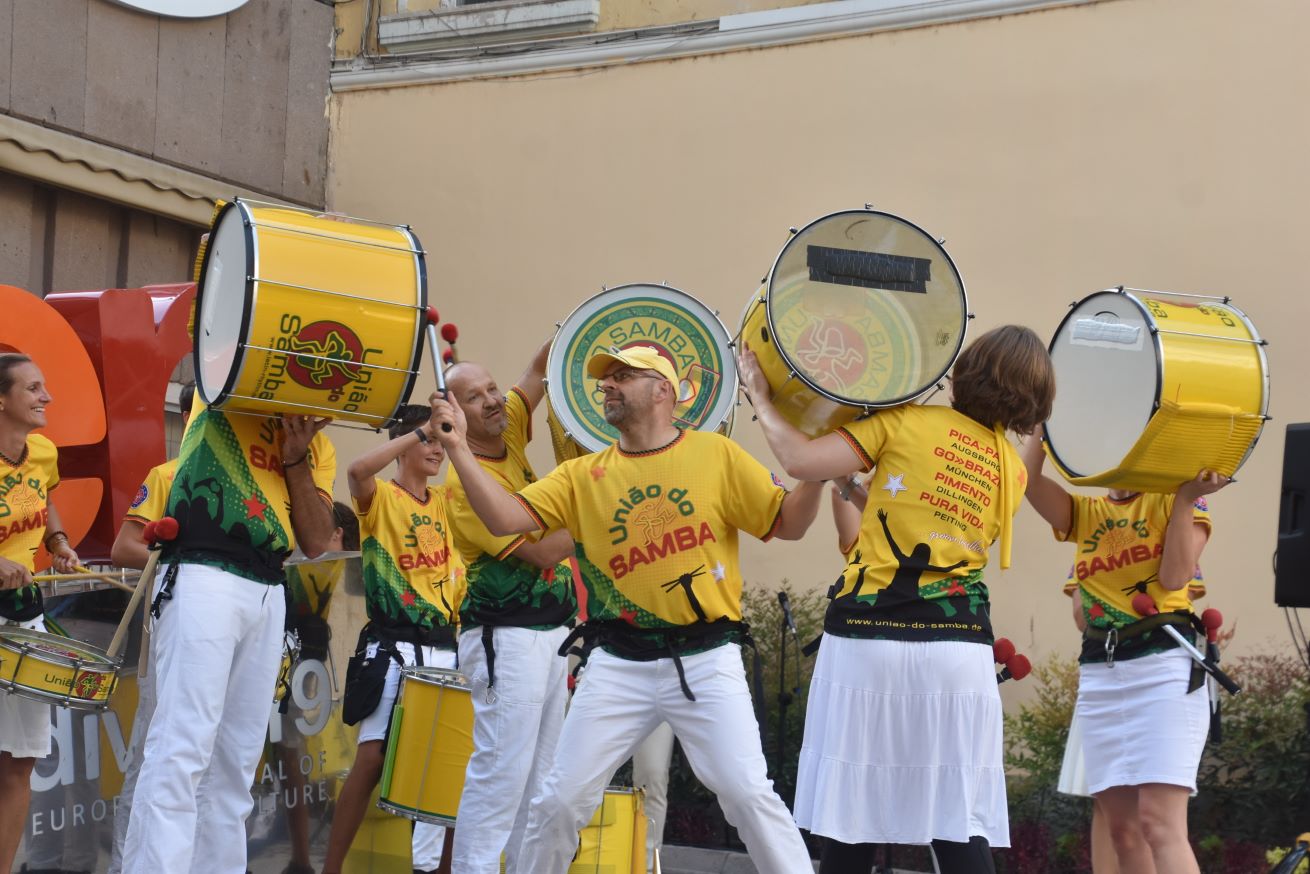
(1046, 496)
(533, 381)
(1184, 537)
(362, 473)
(813, 460)
(799, 508)
(311, 515)
(502, 514)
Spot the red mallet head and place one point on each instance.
(433, 318)
(1002, 650)
(166, 528)
(149, 534)
(1144, 605)
(449, 332)
(1019, 667)
(448, 356)
(1213, 620)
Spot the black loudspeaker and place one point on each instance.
(1292, 571)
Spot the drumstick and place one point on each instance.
(432, 319)
(84, 575)
(1145, 605)
(156, 532)
(92, 575)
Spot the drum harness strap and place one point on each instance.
(1114, 636)
(647, 645)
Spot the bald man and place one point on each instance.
(520, 600)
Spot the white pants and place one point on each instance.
(617, 706)
(217, 649)
(650, 771)
(24, 722)
(514, 740)
(429, 839)
(145, 709)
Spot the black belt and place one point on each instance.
(649, 644)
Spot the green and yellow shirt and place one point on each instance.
(152, 497)
(24, 508)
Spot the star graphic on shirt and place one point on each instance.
(1095, 611)
(408, 599)
(597, 472)
(956, 589)
(718, 571)
(254, 507)
(628, 616)
(895, 484)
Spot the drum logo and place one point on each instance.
(321, 356)
(89, 686)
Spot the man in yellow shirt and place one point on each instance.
(656, 520)
(512, 623)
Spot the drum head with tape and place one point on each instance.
(867, 308)
(681, 328)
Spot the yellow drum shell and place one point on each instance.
(614, 842)
(56, 670)
(300, 313)
(1154, 389)
(429, 747)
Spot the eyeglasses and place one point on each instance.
(626, 374)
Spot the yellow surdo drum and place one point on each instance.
(681, 328)
(303, 313)
(1154, 387)
(56, 670)
(862, 310)
(429, 746)
(614, 842)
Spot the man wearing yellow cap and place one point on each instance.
(656, 520)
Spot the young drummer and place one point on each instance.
(1142, 717)
(413, 585)
(28, 473)
(657, 518)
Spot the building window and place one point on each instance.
(459, 23)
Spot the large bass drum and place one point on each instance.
(681, 328)
(862, 310)
(1153, 388)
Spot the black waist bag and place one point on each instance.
(366, 677)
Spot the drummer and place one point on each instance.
(413, 585)
(130, 550)
(907, 637)
(520, 598)
(247, 489)
(1140, 771)
(658, 516)
(28, 473)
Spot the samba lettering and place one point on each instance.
(673, 542)
(418, 560)
(262, 459)
(37, 520)
(663, 334)
(946, 505)
(1130, 556)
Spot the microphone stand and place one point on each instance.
(784, 697)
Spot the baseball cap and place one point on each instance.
(636, 357)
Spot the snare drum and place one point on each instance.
(862, 310)
(681, 328)
(429, 746)
(1155, 387)
(614, 842)
(56, 670)
(301, 313)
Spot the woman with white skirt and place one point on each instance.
(1142, 708)
(903, 725)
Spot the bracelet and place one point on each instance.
(51, 536)
(300, 460)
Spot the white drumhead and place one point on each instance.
(680, 327)
(1107, 382)
(222, 309)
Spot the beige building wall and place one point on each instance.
(1154, 143)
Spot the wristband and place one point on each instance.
(422, 438)
(300, 460)
(51, 536)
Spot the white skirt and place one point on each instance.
(1139, 723)
(1073, 770)
(24, 722)
(903, 744)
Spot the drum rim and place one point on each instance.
(431, 676)
(413, 813)
(67, 699)
(102, 664)
(865, 406)
(573, 423)
(421, 267)
(1153, 325)
(247, 304)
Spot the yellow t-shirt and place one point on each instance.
(1195, 589)
(657, 531)
(152, 497)
(229, 495)
(413, 576)
(935, 506)
(24, 507)
(1118, 548)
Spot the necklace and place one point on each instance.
(22, 456)
(423, 500)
